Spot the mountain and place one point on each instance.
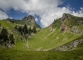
(13, 32)
(71, 24)
(30, 21)
(65, 30)
(62, 40)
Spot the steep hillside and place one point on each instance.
(62, 40)
(66, 31)
(61, 32)
(19, 32)
(11, 29)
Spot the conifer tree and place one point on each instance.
(4, 35)
(34, 29)
(11, 37)
(30, 31)
(25, 29)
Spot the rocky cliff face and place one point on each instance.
(64, 17)
(30, 20)
(64, 27)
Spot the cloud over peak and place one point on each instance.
(47, 10)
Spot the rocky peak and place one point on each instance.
(65, 15)
(29, 18)
(30, 21)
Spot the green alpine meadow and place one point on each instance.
(26, 40)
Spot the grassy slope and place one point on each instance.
(43, 40)
(20, 45)
(47, 39)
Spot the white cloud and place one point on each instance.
(79, 13)
(47, 10)
(3, 15)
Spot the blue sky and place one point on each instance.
(75, 4)
(44, 11)
(16, 14)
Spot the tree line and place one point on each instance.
(24, 30)
(6, 37)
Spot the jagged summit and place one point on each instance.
(66, 15)
(30, 17)
(30, 20)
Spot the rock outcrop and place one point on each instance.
(70, 46)
(64, 17)
(30, 21)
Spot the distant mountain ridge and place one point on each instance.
(30, 21)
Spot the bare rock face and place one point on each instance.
(30, 21)
(64, 17)
(76, 29)
(29, 18)
(70, 46)
(64, 27)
